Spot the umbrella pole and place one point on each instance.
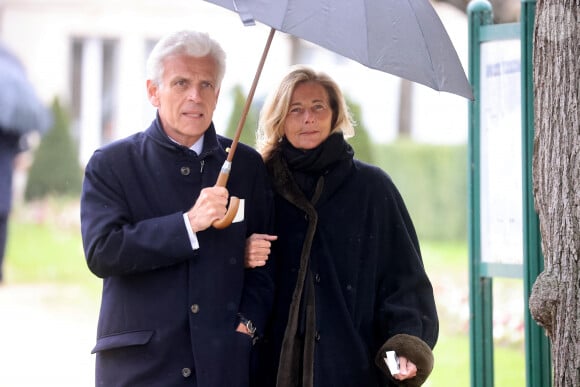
(226, 167)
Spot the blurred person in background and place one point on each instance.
(10, 146)
(21, 113)
(349, 277)
(178, 307)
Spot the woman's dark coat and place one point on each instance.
(169, 313)
(353, 258)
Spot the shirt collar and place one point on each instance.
(197, 147)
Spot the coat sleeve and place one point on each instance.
(412, 348)
(116, 244)
(407, 312)
(258, 295)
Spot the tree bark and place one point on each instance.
(555, 299)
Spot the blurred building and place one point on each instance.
(91, 55)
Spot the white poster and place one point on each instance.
(501, 153)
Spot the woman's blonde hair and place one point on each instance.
(272, 116)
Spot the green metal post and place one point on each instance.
(538, 363)
(480, 295)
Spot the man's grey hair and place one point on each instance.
(192, 43)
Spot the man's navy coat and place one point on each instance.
(168, 313)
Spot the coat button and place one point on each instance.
(317, 278)
(194, 308)
(317, 336)
(186, 372)
(185, 171)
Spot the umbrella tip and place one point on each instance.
(248, 20)
(245, 15)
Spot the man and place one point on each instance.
(177, 307)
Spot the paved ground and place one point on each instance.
(46, 334)
(47, 330)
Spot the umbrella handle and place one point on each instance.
(230, 214)
(224, 222)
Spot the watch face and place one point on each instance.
(248, 324)
(251, 327)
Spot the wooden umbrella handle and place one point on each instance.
(230, 214)
(222, 180)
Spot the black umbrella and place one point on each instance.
(21, 111)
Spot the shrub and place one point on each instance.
(433, 182)
(55, 169)
(361, 141)
(248, 135)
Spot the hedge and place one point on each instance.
(433, 182)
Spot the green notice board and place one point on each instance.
(504, 239)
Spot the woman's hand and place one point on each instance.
(258, 250)
(407, 369)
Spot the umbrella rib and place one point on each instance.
(423, 40)
(368, 50)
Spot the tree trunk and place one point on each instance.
(405, 109)
(555, 299)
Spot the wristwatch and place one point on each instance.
(248, 324)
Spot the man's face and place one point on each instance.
(186, 97)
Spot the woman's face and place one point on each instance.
(309, 117)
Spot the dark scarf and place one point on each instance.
(299, 177)
(308, 165)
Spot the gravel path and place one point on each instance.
(46, 334)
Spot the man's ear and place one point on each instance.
(152, 89)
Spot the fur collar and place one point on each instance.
(292, 352)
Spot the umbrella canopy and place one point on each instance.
(400, 37)
(21, 111)
(405, 38)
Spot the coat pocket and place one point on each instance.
(124, 339)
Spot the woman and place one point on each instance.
(349, 275)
